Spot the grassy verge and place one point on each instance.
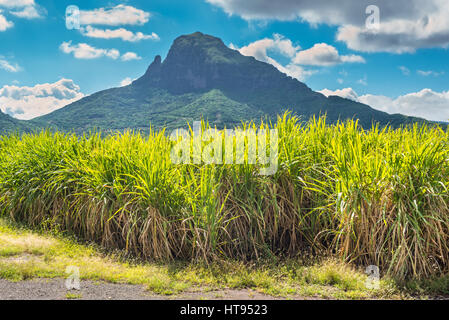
(27, 254)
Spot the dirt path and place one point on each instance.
(54, 289)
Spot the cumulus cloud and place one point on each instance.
(346, 93)
(29, 12)
(26, 9)
(426, 103)
(130, 56)
(319, 55)
(115, 16)
(259, 50)
(120, 33)
(405, 25)
(30, 102)
(85, 51)
(4, 24)
(125, 82)
(322, 54)
(8, 66)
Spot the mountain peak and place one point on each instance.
(195, 34)
(153, 70)
(203, 78)
(197, 38)
(201, 62)
(157, 60)
(197, 46)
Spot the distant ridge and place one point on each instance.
(10, 124)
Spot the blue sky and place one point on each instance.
(402, 66)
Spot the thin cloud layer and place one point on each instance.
(29, 12)
(86, 51)
(9, 66)
(29, 102)
(427, 73)
(120, 33)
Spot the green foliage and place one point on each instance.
(370, 197)
(9, 124)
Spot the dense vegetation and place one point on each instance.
(10, 124)
(377, 197)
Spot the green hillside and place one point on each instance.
(202, 78)
(9, 124)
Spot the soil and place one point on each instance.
(55, 289)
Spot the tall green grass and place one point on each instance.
(377, 197)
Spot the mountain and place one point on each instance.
(10, 124)
(202, 78)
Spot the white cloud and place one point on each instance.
(26, 9)
(16, 3)
(405, 25)
(404, 70)
(130, 56)
(120, 33)
(430, 73)
(10, 67)
(259, 50)
(426, 103)
(401, 35)
(29, 12)
(322, 54)
(319, 55)
(85, 51)
(115, 16)
(4, 24)
(347, 93)
(125, 82)
(30, 102)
